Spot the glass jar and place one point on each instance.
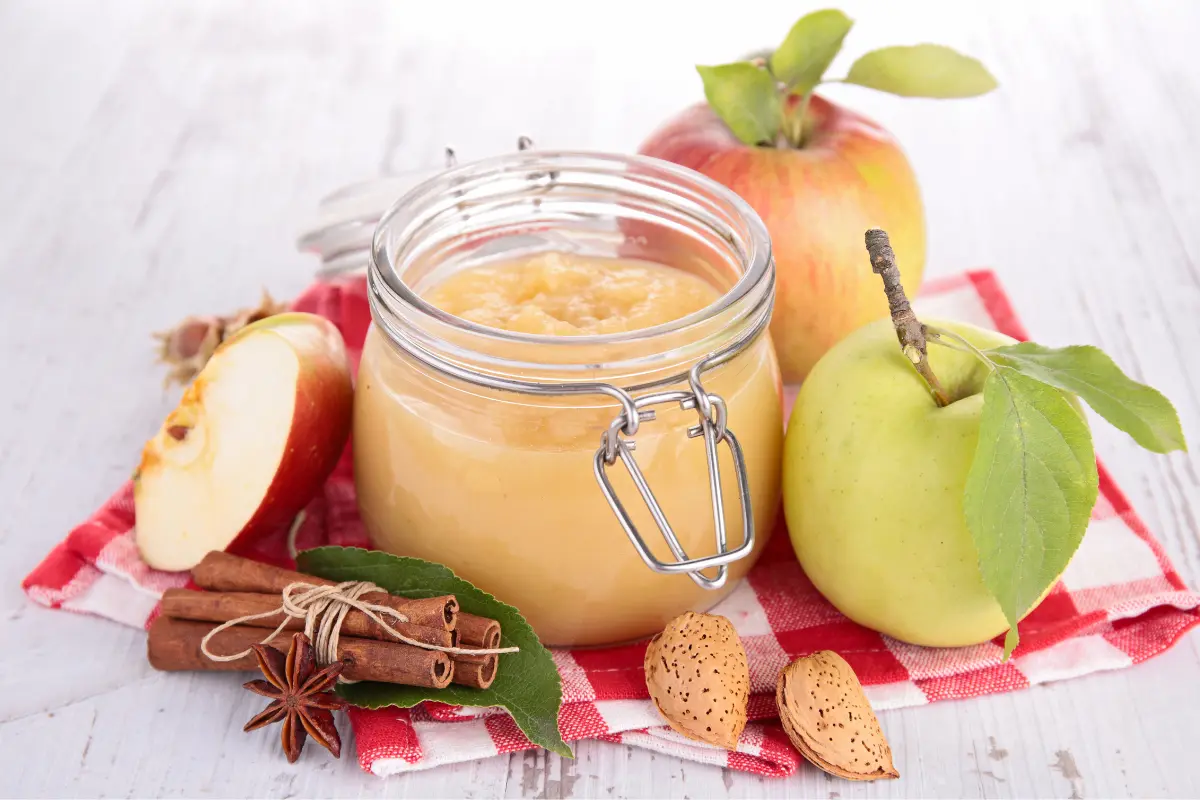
(602, 484)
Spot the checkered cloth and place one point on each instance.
(1119, 603)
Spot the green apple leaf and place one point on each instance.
(527, 684)
(810, 48)
(1030, 490)
(923, 70)
(1142, 412)
(746, 98)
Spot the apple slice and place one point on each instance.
(253, 438)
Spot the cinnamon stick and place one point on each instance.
(476, 631)
(174, 645)
(222, 572)
(226, 606)
(475, 671)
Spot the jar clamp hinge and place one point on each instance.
(713, 429)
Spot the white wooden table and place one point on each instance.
(157, 159)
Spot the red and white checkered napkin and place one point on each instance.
(1119, 603)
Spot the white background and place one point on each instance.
(157, 159)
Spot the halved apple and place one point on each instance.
(253, 438)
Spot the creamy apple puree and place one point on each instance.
(500, 486)
(571, 295)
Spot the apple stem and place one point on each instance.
(794, 123)
(801, 114)
(939, 335)
(909, 330)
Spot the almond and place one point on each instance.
(698, 677)
(827, 717)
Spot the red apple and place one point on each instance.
(253, 438)
(817, 201)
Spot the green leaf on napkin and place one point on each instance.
(1030, 490)
(745, 97)
(810, 48)
(923, 70)
(1139, 410)
(527, 683)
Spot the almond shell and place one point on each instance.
(828, 719)
(698, 677)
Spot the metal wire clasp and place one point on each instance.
(617, 442)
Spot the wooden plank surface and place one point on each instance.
(156, 159)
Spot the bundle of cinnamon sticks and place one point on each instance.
(238, 587)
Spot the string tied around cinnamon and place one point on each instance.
(324, 609)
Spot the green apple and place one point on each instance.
(873, 478)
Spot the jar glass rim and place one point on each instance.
(687, 184)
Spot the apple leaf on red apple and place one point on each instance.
(1139, 410)
(527, 683)
(745, 98)
(1029, 492)
(923, 70)
(809, 49)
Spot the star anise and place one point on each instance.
(300, 696)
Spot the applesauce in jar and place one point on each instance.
(528, 308)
